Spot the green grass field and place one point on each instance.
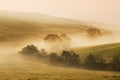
(107, 51)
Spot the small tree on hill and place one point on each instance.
(43, 52)
(93, 33)
(53, 57)
(95, 61)
(90, 60)
(70, 57)
(29, 50)
(116, 62)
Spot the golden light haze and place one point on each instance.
(105, 11)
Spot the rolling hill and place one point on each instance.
(17, 26)
(107, 51)
(16, 68)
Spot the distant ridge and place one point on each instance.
(16, 26)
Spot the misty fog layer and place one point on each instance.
(20, 29)
(9, 52)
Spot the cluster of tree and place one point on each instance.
(97, 62)
(62, 41)
(31, 50)
(115, 63)
(52, 38)
(67, 57)
(93, 61)
(93, 33)
(73, 59)
(57, 38)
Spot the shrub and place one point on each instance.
(70, 57)
(93, 61)
(30, 50)
(116, 62)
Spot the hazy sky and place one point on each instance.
(105, 11)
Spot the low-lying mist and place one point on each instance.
(9, 52)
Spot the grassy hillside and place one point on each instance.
(16, 26)
(28, 70)
(107, 51)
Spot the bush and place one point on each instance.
(116, 62)
(66, 58)
(43, 52)
(30, 50)
(93, 61)
(70, 57)
(93, 33)
(53, 57)
(90, 60)
(73, 59)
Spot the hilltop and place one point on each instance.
(107, 51)
(15, 26)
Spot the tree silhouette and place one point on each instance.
(43, 52)
(93, 33)
(90, 60)
(70, 57)
(53, 57)
(116, 62)
(52, 38)
(30, 50)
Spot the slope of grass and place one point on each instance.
(38, 71)
(107, 51)
(16, 25)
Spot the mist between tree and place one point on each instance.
(71, 59)
(55, 43)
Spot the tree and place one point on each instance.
(116, 62)
(90, 60)
(43, 52)
(93, 33)
(95, 61)
(70, 57)
(52, 38)
(65, 37)
(100, 61)
(29, 50)
(75, 59)
(53, 57)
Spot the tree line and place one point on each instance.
(70, 58)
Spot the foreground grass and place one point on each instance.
(15, 67)
(38, 71)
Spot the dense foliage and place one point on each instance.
(71, 58)
(93, 33)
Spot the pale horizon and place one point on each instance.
(103, 11)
